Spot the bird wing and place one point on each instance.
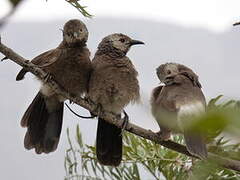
(192, 76)
(184, 70)
(163, 108)
(47, 58)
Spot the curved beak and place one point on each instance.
(237, 23)
(135, 42)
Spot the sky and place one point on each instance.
(215, 15)
(198, 34)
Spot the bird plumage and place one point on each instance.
(70, 66)
(113, 84)
(175, 105)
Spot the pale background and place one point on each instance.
(198, 34)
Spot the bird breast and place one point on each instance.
(188, 113)
(114, 84)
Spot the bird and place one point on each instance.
(176, 103)
(113, 84)
(70, 66)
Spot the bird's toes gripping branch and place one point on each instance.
(98, 111)
(48, 77)
(164, 135)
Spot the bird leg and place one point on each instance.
(98, 111)
(164, 134)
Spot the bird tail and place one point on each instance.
(194, 138)
(195, 144)
(43, 120)
(21, 74)
(109, 143)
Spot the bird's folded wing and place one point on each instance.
(190, 74)
(47, 58)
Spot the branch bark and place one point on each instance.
(109, 117)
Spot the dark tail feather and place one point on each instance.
(195, 144)
(21, 74)
(43, 119)
(109, 144)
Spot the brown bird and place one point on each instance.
(69, 64)
(113, 85)
(176, 104)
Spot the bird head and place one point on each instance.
(118, 42)
(166, 72)
(75, 33)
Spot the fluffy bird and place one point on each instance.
(176, 104)
(69, 65)
(113, 85)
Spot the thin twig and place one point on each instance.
(109, 117)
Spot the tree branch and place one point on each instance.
(109, 117)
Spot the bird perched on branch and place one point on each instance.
(176, 104)
(69, 65)
(113, 85)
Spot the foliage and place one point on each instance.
(144, 159)
(79, 7)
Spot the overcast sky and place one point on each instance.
(216, 15)
(214, 56)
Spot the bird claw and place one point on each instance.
(125, 121)
(164, 135)
(47, 77)
(89, 100)
(98, 111)
(5, 58)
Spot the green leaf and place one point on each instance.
(212, 102)
(80, 8)
(79, 137)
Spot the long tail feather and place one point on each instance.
(195, 144)
(43, 120)
(109, 144)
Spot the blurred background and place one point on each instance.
(198, 34)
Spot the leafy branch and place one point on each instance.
(80, 8)
(15, 4)
(142, 158)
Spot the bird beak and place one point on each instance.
(169, 79)
(135, 42)
(77, 35)
(235, 24)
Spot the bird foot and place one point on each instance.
(98, 111)
(164, 135)
(88, 99)
(47, 77)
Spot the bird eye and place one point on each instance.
(168, 72)
(81, 30)
(122, 40)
